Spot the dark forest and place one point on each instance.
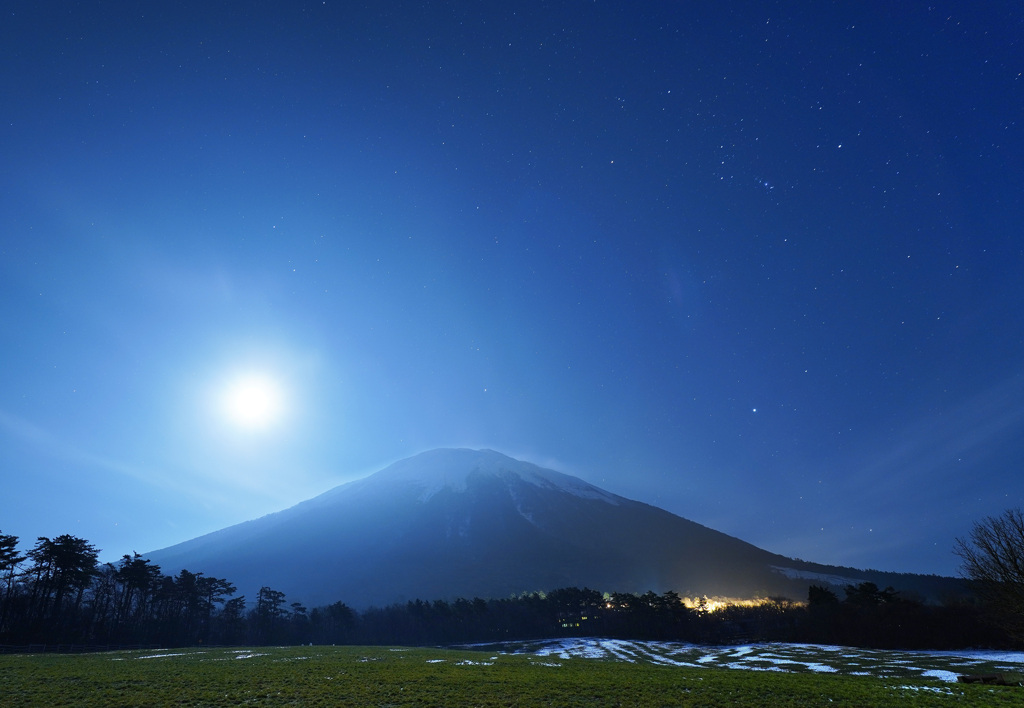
(57, 595)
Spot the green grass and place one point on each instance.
(381, 676)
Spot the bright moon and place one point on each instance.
(253, 402)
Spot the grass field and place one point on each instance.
(645, 675)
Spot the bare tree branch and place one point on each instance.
(993, 559)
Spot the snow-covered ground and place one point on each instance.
(941, 665)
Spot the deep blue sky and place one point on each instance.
(760, 264)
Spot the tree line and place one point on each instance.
(866, 616)
(59, 593)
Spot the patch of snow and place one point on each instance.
(620, 649)
(666, 661)
(775, 657)
(436, 470)
(794, 574)
(247, 655)
(162, 656)
(568, 648)
(995, 657)
(540, 477)
(929, 689)
(819, 647)
(435, 661)
(947, 676)
(750, 667)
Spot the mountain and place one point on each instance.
(475, 523)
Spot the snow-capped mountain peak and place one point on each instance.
(451, 468)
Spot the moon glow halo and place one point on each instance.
(253, 402)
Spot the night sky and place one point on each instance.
(759, 264)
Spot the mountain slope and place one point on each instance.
(451, 523)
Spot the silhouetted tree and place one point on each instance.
(139, 579)
(230, 622)
(187, 605)
(10, 559)
(576, 611)
(103, 599)
(214, 591)
(269, 613)
(993, 559)
(867, 594)
(818, 596)
(332, 624)
(62, 568)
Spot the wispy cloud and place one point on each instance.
(53, 446)
(911, 486)
(250, 488)
(932, 446)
